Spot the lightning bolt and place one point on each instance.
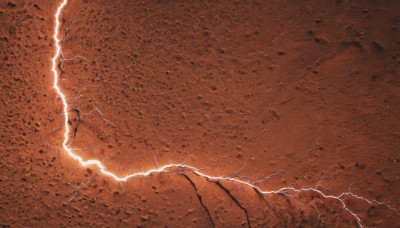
(167, 168)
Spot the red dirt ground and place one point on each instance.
(308, 90)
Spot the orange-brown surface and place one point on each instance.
(305, 91)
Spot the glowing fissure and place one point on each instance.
(166, 168)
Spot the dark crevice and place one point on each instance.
(270, 206)
(199, 197)
(60, 61)
(78, 122)
(234, 200)
(59, 66)
(289, 208)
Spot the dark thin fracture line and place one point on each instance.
(270, 207)
(199, 197)
(290, 211)
(79, 121)
(235, 200)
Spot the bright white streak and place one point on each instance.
(165, 168)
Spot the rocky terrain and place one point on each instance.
(301, 94)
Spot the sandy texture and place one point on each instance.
(306, 90)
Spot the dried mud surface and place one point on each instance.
(305, 91)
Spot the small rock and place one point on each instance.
(377, 45)
(360, 165)
(11, 5)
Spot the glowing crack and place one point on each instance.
(186, 168)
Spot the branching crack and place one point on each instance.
(67, 29)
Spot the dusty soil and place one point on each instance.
(306, 90)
